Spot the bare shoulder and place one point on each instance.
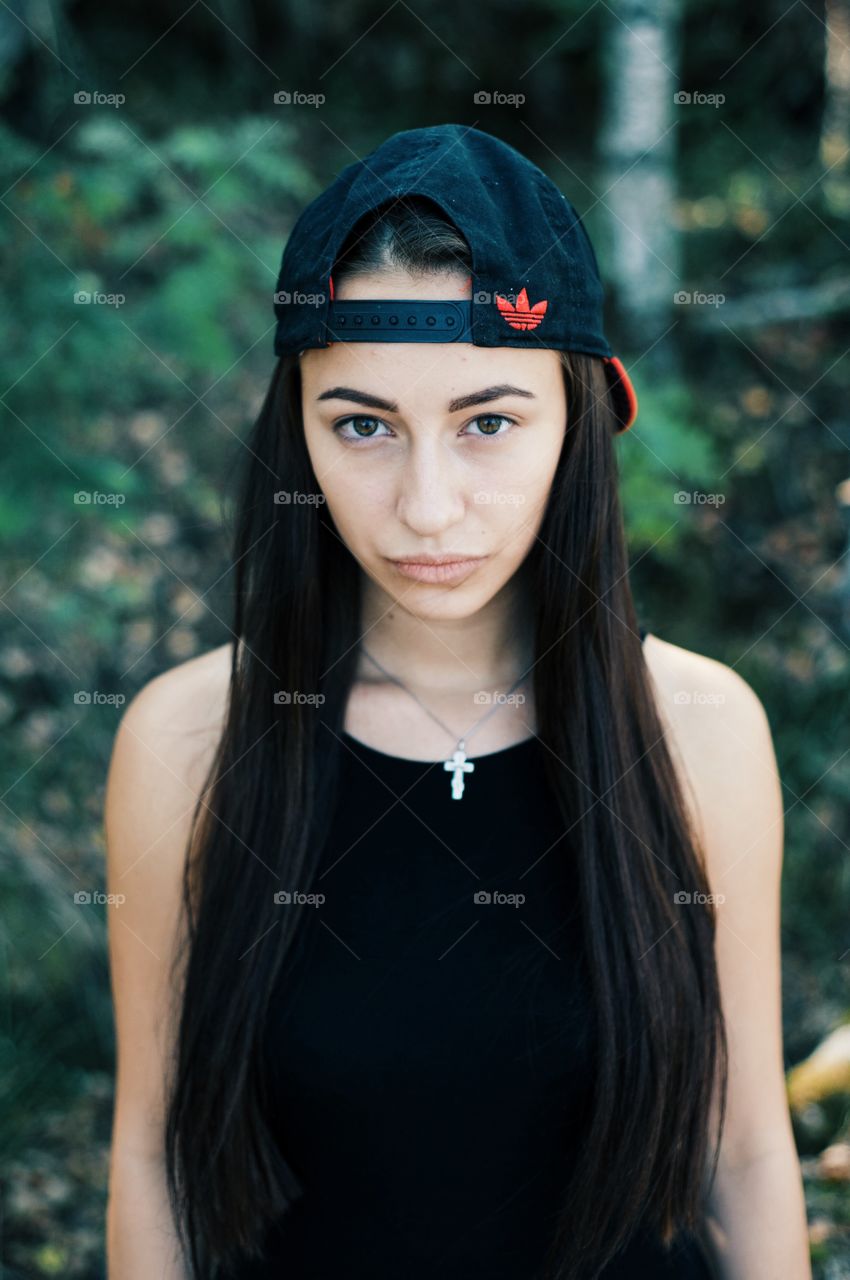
(162, 752)
(720, 739)
(688, 680)
(180, 713)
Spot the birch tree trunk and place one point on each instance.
(835, 127)
(637, 173)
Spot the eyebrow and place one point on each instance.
(461, 402)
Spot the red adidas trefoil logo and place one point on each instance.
(521, 316)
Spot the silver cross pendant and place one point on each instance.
(458, 766)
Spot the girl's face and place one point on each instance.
(429, 449)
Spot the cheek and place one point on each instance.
(518, 522)
(517, 503)
(351, 492)
(517, 484)
(357, 503)
(358, 490)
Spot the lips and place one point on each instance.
(438, 569)
(448, 558)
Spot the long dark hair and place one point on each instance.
(266, 807)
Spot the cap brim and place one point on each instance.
(622, 393)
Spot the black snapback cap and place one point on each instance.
(535, 279)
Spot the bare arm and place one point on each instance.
(756, 1227)
(758, 1224)
(140, 1236)
(155, 774)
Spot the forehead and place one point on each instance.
(395, 282)
(411, 373)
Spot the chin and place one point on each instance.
(440, 604)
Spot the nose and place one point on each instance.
(430, 487)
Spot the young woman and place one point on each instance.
(450, 945)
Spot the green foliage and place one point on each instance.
(104, 399)
(665, 452)
(189, 238)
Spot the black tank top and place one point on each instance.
(429, 1052)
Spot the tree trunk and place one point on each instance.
(637, 179)
(835, 125)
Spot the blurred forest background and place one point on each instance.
(153, 160)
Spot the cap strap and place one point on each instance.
(399, 320)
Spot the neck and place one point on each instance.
(492, 647)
